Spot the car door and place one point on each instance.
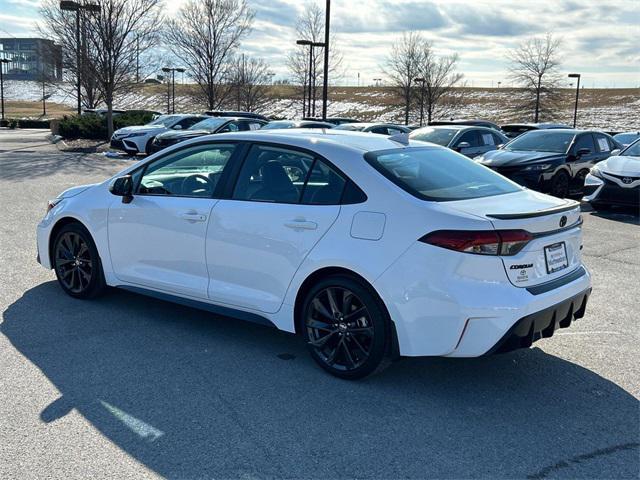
(158, 239)
(284, 200)
(471, 138)
(582, 163)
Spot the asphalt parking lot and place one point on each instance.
(132, 387)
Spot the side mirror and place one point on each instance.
(500, 147)
(177, 127)
(462, 145)
(582, 152)
(122, 187)
(615, 152)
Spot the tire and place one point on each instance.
(77, 263)
(147, 147)
(560, 185)
(347, 349)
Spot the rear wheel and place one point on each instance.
(346, 327)
(560, 185)
(77, 263)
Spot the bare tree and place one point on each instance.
(60, 27)
(534, 66)
(249, 80)
(439, 79)
(114, 34)
(310, 26)
(403, 66)
(206, 34)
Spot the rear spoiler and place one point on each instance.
(540, 213)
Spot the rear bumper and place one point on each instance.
(542, 324)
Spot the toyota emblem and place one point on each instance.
(563, 221)
(627, 180)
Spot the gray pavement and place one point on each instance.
(131, 387)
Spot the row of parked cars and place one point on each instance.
(546, 157)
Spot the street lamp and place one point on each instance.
(325, 82)
(575, 110)
(304, 87)
(421, 80)
(313, 77)
(3, 62)
(171, 87)
(377, 80)
(71, 6)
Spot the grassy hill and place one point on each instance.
(609, 109)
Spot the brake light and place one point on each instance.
(481, 242)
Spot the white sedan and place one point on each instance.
(368, 247)
(616, 180)
(138, 139)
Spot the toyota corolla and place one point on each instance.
(369, 247)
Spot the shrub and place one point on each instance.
(93, 126)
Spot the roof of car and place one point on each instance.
(363, 142)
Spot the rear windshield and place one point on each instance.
(542, 141)
(439, 174)
(276, 125)
(209, 124)
(439, 136)
(164, 120)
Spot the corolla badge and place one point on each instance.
(563, 221)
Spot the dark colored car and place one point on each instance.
(222, 113)
(206, 127)
(627, 138)
(333, 120)
(474, 123)
(514, 130)
(380, 128)
(554, 161)
(280, 124)
(470, 141)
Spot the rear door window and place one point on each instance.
(585, 141)
(438, 174)
(324, 185)
(602, 143)
(471, 137)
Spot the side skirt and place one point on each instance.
(209, 307)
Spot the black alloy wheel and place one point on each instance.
(346, 328)
(76, 262)
(560, 185)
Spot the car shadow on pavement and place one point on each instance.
(628, 215)
(190, 394)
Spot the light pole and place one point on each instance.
(421, 81)
(575, 110)
(378, 81)
(313, 78)
(3, 62)
(327, 22)
(171, 87)
(304, 87)
(71, 6)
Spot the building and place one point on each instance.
(31, 58)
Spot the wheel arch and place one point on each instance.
(61, 223)
(324, 272)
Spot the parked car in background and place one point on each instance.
(470, 141)
(615, 181)
(626, 138)
(471, 122)
(280, 124)
(230, 113)
(138, 139)
(379, 128)
(512, 130)
(333, 120)
(206, 127)
(554, 161)
(367, 247)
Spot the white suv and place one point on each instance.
(138, 139)
(368, 247)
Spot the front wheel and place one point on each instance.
(560, 185)
(77, 263)
(346, 328)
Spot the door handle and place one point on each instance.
(301, 224)
(193, 216)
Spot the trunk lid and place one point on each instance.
(555, 224)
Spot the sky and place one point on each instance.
(600, 38)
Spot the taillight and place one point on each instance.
(481, 242)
